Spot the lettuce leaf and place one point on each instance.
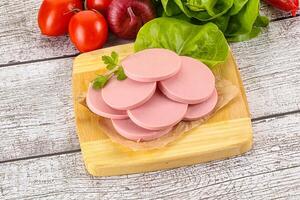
(210, 9)
(204, 42)
(235, 18)
(237, 6)
(170, 8)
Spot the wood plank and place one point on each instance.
(36, 109)
(281, 184)
(45, 124)
(269, 62)
(269, 171)
(21, 40)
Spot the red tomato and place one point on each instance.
(100, 5)
(88, 30)
(54, 16)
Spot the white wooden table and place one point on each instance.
(39, 151)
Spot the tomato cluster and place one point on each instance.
(88, 29)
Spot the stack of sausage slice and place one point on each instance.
(161, 90)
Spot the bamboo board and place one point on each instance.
(228, 133)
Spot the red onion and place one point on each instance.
(126, 17)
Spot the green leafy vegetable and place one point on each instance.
(203, 10)
(170, 7)
(112, 64)
(235, 18)
(204, 42)
(237, 6)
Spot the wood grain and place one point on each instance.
(36, 109)
(268, 61)
(269, 171)
(270, 76)
(21, 40)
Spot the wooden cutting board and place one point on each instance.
(228, 133)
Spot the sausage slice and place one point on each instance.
(151, 65)
(158, 113)
(193, 84)
(96, 104)
(127, 94)
(131, 131)
(197, 111)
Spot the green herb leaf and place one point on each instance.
(111, 61)
(100, 81)
(110, 66)
(107, 59)
(115, 57)
(120, 74)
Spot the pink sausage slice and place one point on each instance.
(193, 84)
(131, 131)
(197, 111)
(158, 113)
(127, 94)
(96, 104)
(152, 65)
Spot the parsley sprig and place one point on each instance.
(114, 69)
